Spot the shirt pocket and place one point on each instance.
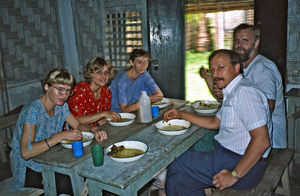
(229, 118)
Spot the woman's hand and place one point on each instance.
(100, 135)
(171, 114)
(72, 135)
(114, 116)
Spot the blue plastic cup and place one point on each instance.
(77, 148)
(155, 111)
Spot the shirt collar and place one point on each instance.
(250, 66)
(228, 89)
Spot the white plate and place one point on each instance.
(198, 109)
(159, 126)
(88, 136)
(129, 144)
(123, 115)
(165, 103)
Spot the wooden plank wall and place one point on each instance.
(293, 42)
(89, 29)
(30, 47)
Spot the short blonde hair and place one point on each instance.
(95, 64)
(59, 76)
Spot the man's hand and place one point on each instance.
(204, 73)
(223, 179)
(171, 114)
(218, 94)
(156, 97)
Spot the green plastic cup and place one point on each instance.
(97, 154)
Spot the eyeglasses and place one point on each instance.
(105, 73)
(62, 91)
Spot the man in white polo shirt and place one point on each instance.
(244, 127)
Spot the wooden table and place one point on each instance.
(127, 178)
(61, 160)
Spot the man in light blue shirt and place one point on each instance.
(244, 124)
(263, 73)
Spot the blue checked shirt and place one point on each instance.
(244, 108)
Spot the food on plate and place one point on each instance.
(158, 103)
(173, 127)
(122, 152)
(207, 106)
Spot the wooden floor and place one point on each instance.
(295, 179)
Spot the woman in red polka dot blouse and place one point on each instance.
(91, 100)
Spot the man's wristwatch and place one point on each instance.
(235, 175)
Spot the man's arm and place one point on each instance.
(257, 146)
(208, 122)
(271, 104)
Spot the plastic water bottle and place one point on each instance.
(145, 112)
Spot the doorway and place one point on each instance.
(204, 33)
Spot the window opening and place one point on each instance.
(123, 34)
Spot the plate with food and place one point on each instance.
(126, 119)
(126, 151)
(162, 103)
(173, 127)
(205, 106)
(87, 138)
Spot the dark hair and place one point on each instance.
(233, 57)
(59, 76)
(95, 64)
(244, 26)
(139, 53)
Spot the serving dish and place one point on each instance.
(131, 145)
(162, 103)
(173, 127)
(206, 106)
(87, 138)
(129, 119)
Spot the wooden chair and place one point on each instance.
(7, 186)
(6, 122)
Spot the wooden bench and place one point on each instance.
(276, 170)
